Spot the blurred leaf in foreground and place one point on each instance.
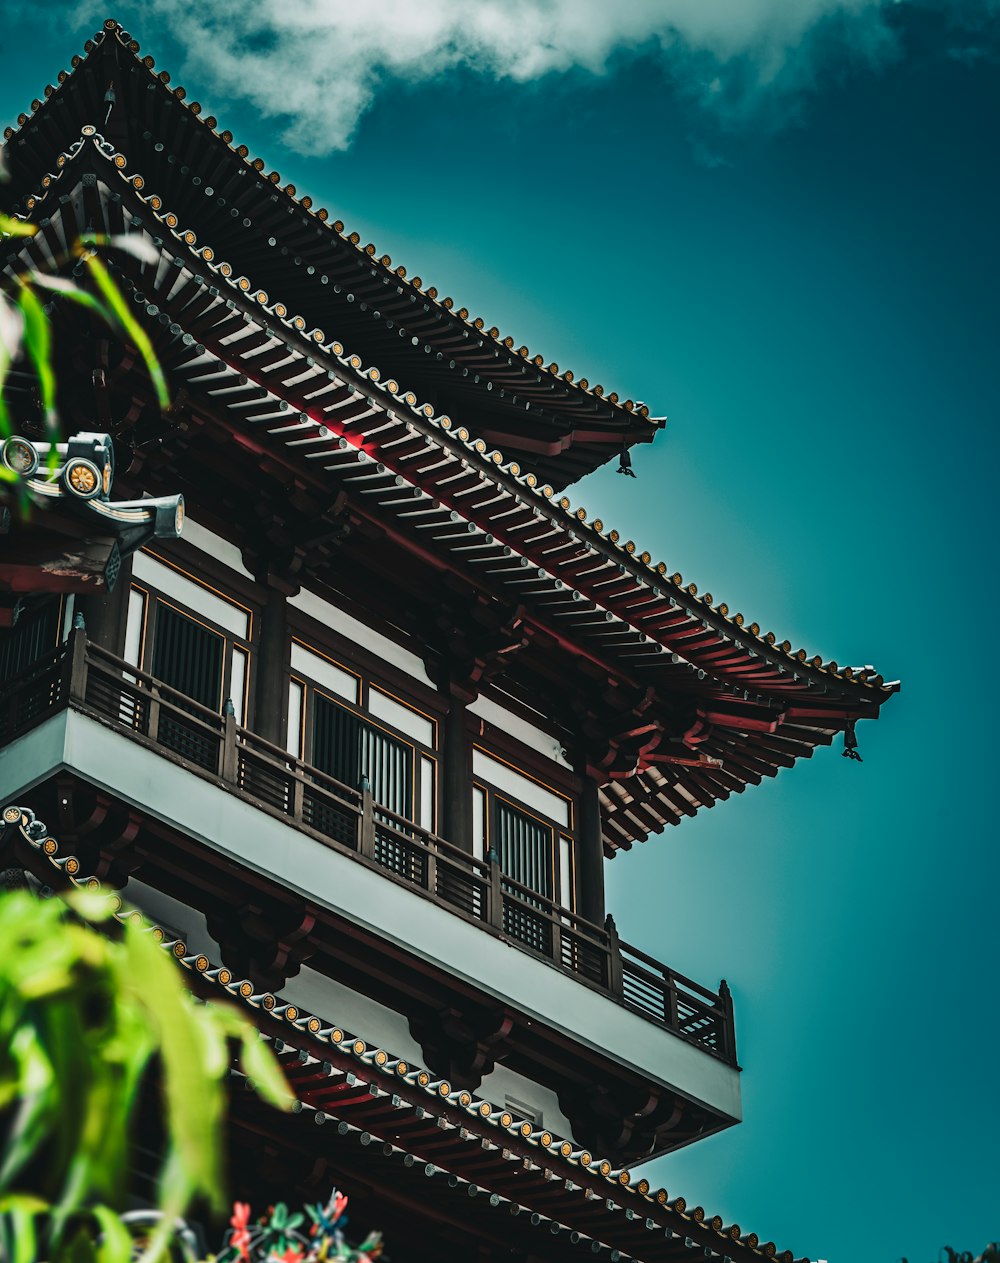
(83, 1017)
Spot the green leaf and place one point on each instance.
(66, 289)
(11, 332)
(16, 227)
(260, 1065)
(21, 1210)
(136, 244)
(92, 905)
(113, 297)
(38, 340)
(36, 1090)
(193, 1098)
(116, 1240)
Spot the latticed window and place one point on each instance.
(27, 691)
(524, 846)
(354, 751)
(196, 643)
(35, 634)
(364, 736)
(528, 827)
(190, 657)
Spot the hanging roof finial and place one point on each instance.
(625, 464)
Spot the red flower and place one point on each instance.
(240, 1238)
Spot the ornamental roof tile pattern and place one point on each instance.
(620, 1217)
(603, 592)
(631, 420)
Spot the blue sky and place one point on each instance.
(776, 224)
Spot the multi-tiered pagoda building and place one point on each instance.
(361, 732)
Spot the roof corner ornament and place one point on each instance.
(625, 464)
(77, 476)
(109, 101)
(850, 750)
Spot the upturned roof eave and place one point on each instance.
(573, 525)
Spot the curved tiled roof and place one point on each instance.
(611, 595)
(627, 1202)
(578, 517)
(630, 412)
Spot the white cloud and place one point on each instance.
(316, 66)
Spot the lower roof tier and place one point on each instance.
(413, 1127)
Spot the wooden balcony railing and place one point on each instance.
(87, 678)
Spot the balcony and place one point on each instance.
(82, 677)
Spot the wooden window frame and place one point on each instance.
(493, 795)
(366, 681)
(232, 643)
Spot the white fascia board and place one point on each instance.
(215, 546)
(236, 829)
(520, 729)
(234, 618)
(358, 633)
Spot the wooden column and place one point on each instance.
(270, 684)
(456, 788)
(590, 854)
(105, 613)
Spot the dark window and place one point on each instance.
(190, 658)
(347, 747)
(524, 847)
(353, 750)
(35, 634)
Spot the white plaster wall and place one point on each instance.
(543, 1101)
(170, 913)
(215, 546)
(356, 632)
(520, 729)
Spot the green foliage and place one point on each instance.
(25, 325)
(38, 343)
(121, 313)
(83, 1018)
